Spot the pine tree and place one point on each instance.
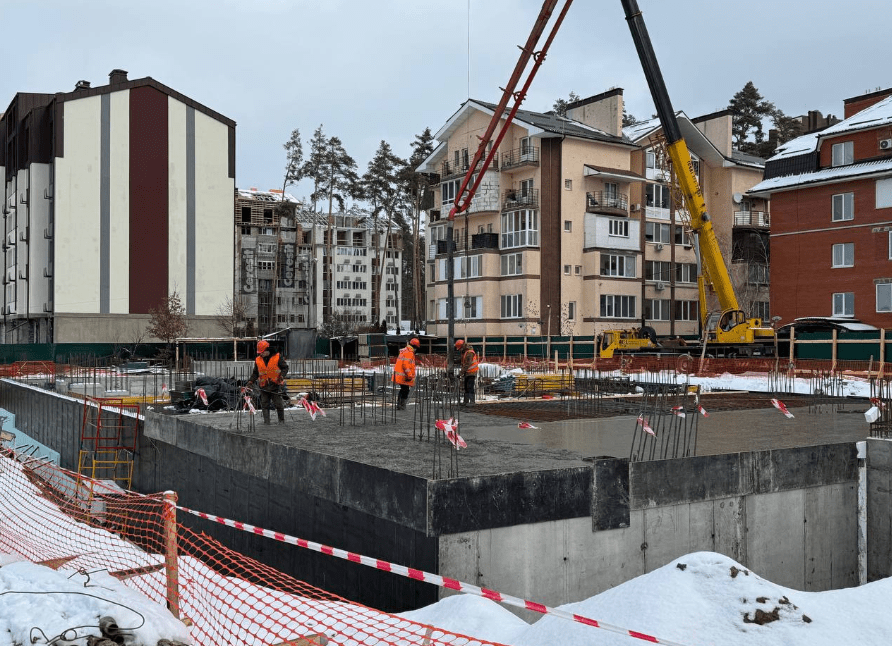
(336, 181)
(628, 118)
(419, 187)
(749, 108)
(560, 105)
(383, 188)
(294, 161)
(313, 166)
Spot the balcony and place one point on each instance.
(485, 241)
(606, 203)
(753, 219)
(451, 169)
(519, 157)
(513, 199)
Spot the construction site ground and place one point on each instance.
(737, 422)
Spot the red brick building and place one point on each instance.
(831, 217)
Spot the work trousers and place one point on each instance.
(470, 388)
(274, 397)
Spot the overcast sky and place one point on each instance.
(385, 69)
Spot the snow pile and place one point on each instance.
(39, 604)
(472, 615)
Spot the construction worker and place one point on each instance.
(404, 372)
(468, 371)
(269, 373)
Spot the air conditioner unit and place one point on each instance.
(886, 144)
(660, 287)
(636, 207)
(658, 246)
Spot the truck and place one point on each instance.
(729, 331)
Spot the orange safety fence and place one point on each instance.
(63, 520)
(25, 368)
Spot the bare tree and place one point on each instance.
(167, 321)
(231, 316)
(341, 322)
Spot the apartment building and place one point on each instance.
(831, 205)
(741, 223)
(283, 275)
(573, 230)
(114, 197)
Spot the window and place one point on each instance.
(844, 303)
(511, 306)
(682, 236)
(656, 309)
(657, 270)
(526, 187)
(884, 297)
(512, 264)
(566, 270)
(655, 232)
(568, 184)
(685, 272)
(571, 311)
(468, 307)
(467, 267)
(686, 310)
(526, 149)
(758, 274)
(618, 228)
(578, 270)
(844, 254)
(568, 226)
(617, 307)
(520, 229)
(657, 196)
(843, 154)
(246, 214)
(448, 190)
(884, 193)
(616, 265)
(760, 310)
(843, 207)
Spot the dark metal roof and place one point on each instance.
(551, 122)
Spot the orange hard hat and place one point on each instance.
(262, 346)
(459, 343)
(415, 343)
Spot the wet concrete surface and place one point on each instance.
(497, 445)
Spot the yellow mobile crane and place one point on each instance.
(729, 331)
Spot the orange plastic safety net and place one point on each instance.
(57, 518)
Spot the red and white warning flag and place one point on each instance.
(678, 410)
(450, 428)
(164, 390)
(317, 409)
(778, 404)
(249, 404)
(876, 401)
(202, 395)
(308, 406)
(702, 411)
(642, 422)
(526, 425)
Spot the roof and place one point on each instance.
(823, 176)
(353, 218)
(272, 195)
(823, 324)
(798, 146)
(540, 124)
(879, 114)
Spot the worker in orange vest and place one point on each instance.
(468, 372)
(404, 372)
(269, 373)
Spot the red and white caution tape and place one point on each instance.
(450, 428)
(312, 408)
(642, 422)
(679, 410)
(249, 404)
(526, 425)
(427, 577)
(876, 401)
(702, 411)
(778, 404)
(202, 396)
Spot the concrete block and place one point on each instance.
(831, 537)
(198, 439)
(305, 472)
(610, 493)
(729, 527)
(879, 454)
(776, 536)
(667, 535)
(160, 427)
(807, 466)
(458, 557)
(393, 496)
(244, 453)
(673, 482)
(879, 523)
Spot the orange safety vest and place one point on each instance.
(269, 372)
(404, 368)
(469, 365)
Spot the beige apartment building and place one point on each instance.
(572, 230)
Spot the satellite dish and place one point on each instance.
(738, 198)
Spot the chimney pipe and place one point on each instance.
(82, 85)
(117, 76)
